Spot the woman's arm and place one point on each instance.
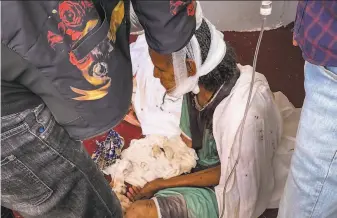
(204, 178)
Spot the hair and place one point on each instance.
(224, 71)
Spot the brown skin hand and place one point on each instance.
(147, 208)
(204, 178)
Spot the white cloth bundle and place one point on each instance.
(151, 158)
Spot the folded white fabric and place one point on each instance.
(284, 152)
(153, 117)
(151, 158)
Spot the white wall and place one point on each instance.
(244, 15)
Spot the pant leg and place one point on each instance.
(311, 188)
(186, 202)
(45, 173)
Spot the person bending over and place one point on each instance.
(210, 123)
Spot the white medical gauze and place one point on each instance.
(216, 53)
(184, 83)
(198, 15)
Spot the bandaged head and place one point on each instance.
(186, 81)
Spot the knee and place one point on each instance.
(136, 210)
(142, 209)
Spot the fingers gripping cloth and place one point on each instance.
(189, 83)
(147, 159)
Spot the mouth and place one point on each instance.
(168, 91)
(169, 86)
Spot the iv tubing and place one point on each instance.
(245, 113)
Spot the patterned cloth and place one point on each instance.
(316, 31)
(109, 150)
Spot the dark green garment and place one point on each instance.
(208, 154)
(200, 202)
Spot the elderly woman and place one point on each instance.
(211, 124)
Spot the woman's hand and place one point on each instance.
(137, 193)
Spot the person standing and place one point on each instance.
(311, 188)
(66, 76)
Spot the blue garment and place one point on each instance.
(316, 31)
(45, 173)
(311, 188)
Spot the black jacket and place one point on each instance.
(74, 56)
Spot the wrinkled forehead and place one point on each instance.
(161, 60)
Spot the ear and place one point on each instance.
(191, 67)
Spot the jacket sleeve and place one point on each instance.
(12, 65)
(168, 25)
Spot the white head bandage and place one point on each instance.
(184, 82)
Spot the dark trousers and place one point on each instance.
(45, 173)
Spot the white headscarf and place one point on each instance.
(216, 53)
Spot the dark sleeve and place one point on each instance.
(15, 96)
(168, 25)
(12, 65)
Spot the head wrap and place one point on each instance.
(217, 50)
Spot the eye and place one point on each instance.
(160, 70)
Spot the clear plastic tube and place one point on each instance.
(245, 113)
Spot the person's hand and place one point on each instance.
(137, 193)
(295, 42)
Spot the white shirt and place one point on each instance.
(252, 185)
(154, 118)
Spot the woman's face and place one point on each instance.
(164, 70)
